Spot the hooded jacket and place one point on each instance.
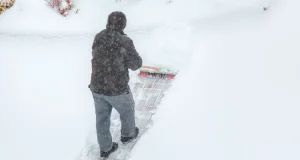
(113, 54)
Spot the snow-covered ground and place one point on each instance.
(239, 97)
(44, 97)
(236, 96)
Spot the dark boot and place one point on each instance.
(126, 140)
(115, 146)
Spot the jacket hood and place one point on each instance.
(116, 21)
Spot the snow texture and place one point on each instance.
(236, 96)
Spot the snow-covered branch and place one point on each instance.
(63, 6)
(4, 4)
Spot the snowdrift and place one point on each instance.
(239, 98)
(236, 96)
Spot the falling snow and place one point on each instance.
(236, 96)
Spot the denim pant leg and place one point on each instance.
(103, 112)
(125, 105)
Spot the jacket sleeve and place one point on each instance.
(95, 43)
(133, 59)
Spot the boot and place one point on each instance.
(126, 140)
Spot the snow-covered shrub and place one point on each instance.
(63, 6)
(4, 4)
(54, 3)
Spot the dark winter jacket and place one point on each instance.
(113, 54)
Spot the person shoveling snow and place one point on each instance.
(113, 54)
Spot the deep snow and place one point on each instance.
(236, 96)
(239, 97)
(44, 97)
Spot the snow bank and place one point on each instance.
(46, 107)
(37, 17)
(239, 98)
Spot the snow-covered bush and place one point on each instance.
(6, 4)
(54, 3)
(63, 6)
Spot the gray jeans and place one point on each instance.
(124, 104)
